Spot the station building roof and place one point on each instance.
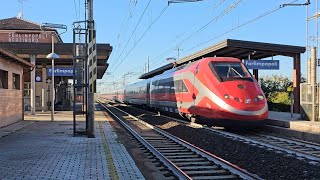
(234, 48)
(24, 38)
(64, 50)
(15, 23)
(19, 24)
(10, 56)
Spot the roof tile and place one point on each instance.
(18, 24)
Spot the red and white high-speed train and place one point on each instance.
(116, 95)
(217, 88)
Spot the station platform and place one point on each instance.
(38, 148)
(293, 122)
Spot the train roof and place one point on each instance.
(222, 59)
(233, 48)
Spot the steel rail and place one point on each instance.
(252, 141)
(175, 170)
(211, 157)
(232, 135)
(305, 148)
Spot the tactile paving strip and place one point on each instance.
(47, 150)
(126, 167)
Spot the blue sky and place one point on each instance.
(178, 26)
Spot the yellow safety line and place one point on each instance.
(112, 169)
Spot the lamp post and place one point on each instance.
(53, 56)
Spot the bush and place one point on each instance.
(277, 90)
(280, 107)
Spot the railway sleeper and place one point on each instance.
(216, 177)
(180, 164)
(199, 167)
(182, 156)
(177, 154)
(173, 150)
(206, 172)
(189, 160)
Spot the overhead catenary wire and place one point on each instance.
(278, 7)
(241, 25)
(75, 8)
(275, 9)
(225, 12)
(143, 35)
(164, 53)
(125, 25)
(145, 9)
(216, 18)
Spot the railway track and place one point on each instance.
(184, 160)
(299, 149)
(310, 151)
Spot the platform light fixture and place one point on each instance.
(53, 56)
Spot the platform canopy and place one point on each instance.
(246, 50)
(64, 50)
(234, 48)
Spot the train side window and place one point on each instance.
(180, 86)
(184, 87)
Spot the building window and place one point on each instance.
(27, 87)
(16, 81)
(3, 79)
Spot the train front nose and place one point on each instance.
(243, 96)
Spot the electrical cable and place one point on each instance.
(241, 25)
(125, 24)
(141, 37)
(133, 31)
(75, 8)
(223, 13)
(232, 29)
(226, 11)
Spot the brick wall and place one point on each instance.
(11, 99)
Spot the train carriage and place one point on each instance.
(215, 88)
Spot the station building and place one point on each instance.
(12, 69)
(31, 43)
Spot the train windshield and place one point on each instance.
(230, 71)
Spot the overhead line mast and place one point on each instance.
(92, 68)
(85, 70)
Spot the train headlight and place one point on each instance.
(260, 97)
(226, 96)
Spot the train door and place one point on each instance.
(189, 93)
(195, 92)
(153, 91)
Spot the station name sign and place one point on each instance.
(262, 64)
(28, 37)
(60, 71)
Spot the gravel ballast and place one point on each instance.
(267, 164)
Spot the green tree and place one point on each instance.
(277, 89)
